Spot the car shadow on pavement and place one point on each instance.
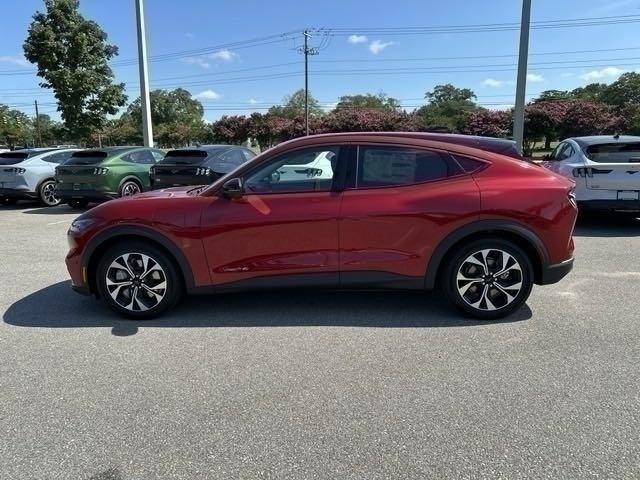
(56, 306)
(59, 210)
(607, 226)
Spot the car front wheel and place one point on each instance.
(489, 279)
(138, 281)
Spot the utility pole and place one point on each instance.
(147, 128)
(521, 86)
(38, 135)
(306, 50)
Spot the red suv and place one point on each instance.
(372, 210)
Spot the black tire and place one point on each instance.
(78, 203)
(129, 188)
(168, 273)
(47, 194)
(486, 299)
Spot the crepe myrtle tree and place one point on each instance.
(72, 54)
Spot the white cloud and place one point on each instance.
(224, 55)
(208, 95)
(357, 39)
(197, 61)
(15, 59)
(492, 82)
(566, 74)
(253, 101)
(604, 73)
(535, 78)
(377, 46)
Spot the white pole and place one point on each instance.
(147, 128)
(521, 87)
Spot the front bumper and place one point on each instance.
(610, 205)
(554, 273)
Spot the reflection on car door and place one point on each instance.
(280, 232)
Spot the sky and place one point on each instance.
(401, 48)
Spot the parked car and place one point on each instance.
(197, 165)
(398, 211)
(606, 170)
(105, 173)
(4, 148)
(29, 174)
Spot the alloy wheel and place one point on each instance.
(49, 195)
(489, 279)
(136, 282)
(130, 188)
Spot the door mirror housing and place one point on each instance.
(233, 188)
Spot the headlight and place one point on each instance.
(100, 171)
(80, 225)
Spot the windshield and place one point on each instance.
(184, 157)
(614, 153)
(11, 158)
(86, 158)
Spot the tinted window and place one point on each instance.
(306, 170)
(185, 157)
(614, 153)
(248, 154)
(141, 157)
(228, 161)
(561, 152)
(469, 165)
(58, 157)
(11, 158)
(389, 166)
(87, 157)
(157, 155)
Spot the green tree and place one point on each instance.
(553, 95)
(448, 108)
(368, 100)
(293, 106)
(176, 116)
(72, 56)
(624, 91)
(594, 92)
(16, 128)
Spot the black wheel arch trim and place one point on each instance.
(481, 226)
(133, 177)
(147, 233)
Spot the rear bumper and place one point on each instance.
(555, 273)
(18, 193)
(91, 195)
(610, 205)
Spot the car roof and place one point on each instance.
(603, 139)
(106, 150)
(501, 146)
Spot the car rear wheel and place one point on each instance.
(48, 194)
(489, 279)
(138, 281)
(129, 188)
(78, 203)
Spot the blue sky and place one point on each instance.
(357, 53)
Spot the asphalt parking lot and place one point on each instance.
(329, 385)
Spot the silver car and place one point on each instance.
(29, 174)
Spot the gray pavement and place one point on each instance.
(318, 385)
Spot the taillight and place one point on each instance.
(583, 172)
(17, 171)
(100, 171)
(203, 171)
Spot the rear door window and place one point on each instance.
(614, 153)
(380, 166)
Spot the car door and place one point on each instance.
(280, 232)
(399, 204)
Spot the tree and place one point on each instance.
(589, 118)
(368, 120)
(232, 129)
(594, 92)
(624, 91)
(368, 100)
(448, 107)
(72, 56)
(489, 123)
(293, 106)
(16, 128)
(553, 95)
(176, 117)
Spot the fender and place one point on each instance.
(481, 226)
(145, 232)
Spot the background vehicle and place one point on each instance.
(4, 148)
(29, 174)
(102, 174)
(198, 166)
(606, 170)
(397, 211)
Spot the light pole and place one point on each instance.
(147, 127)
(521, 86)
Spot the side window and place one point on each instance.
(234, 157)
(248, 154)
(390, 166)
(307, 170)
(558, 152)
(157, 155)
(58, 157)
(143, 157)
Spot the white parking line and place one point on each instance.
(56, 223)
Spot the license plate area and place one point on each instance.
(628, 195)
(76, 186)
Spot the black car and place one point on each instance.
(197, 165)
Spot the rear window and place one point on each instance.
(614, 153)
(184, 157)
(87, 157)
(11, 158)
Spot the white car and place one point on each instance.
(606, 170)
(29, 174)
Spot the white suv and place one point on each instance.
(606, 170)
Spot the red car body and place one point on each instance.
(393, 236)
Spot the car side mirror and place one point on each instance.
(233, 188)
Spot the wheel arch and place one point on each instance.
(517, 233)
(105, 240)
(131, 177)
